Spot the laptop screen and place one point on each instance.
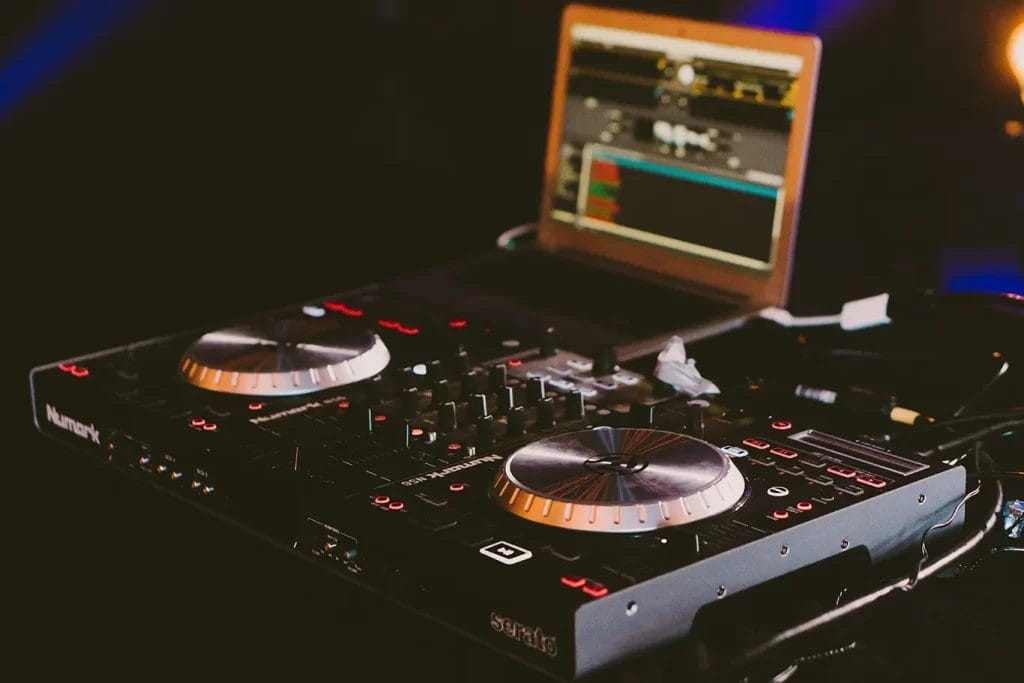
(678, 143)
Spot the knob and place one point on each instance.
(472, 382)
(447, 417)
(377, 390)
(460, 359)
(506, 399)
(548, 346)
(497, 376)
(662, 389)
(535, 389)
(435, 370)
(546, 412)
(606, 362)
(410, 401)
(362, 420)
(642, 414)
(407, 378)
(516, 421)
(440, 392)
(695, 417)
(574, 407)
(485, 431)
(402, 436)
(478, 405)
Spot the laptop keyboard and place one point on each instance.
(565, 287)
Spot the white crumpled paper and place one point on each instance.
(680, 372)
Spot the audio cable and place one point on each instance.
(922, 571)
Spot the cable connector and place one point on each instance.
(856, 315)
(862, 313)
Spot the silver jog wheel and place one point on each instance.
(619, 480)
(283, 356)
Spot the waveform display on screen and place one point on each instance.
(687, 209)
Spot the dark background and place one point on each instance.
(165, 163)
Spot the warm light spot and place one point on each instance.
(1015, 55)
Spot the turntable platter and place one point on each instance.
(617, 480)
(283, 356)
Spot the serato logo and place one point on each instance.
(531, 636)
(86, 431)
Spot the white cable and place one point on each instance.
(507, 237)
(856, 315)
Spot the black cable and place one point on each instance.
(996, 475)
(973, 436)
(1000, 373)
(1006, 415)
(916, 574)
(906, 583)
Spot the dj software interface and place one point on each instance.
(659, 130)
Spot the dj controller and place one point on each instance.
(494, 472)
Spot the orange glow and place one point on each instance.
(1015, 55)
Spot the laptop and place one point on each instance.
(676, 152)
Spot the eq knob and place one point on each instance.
(410, 401)
(478, 405)
(516, 421)
(472, 382)
(546, 412)
(497, 377)
(548, 342)
(377, 389)
(362, 420)
(447, 417)
(574, 406)
(506, 399)
(535, 389)
(402, 435)
(606, 362)
(485, 431)
(642, 414)
(435, 370)
(460, 359)
(695, 417)
(440, 392)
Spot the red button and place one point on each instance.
(782, 425)
(197, 421)
(454, 446)
(573, 581)
(382, 500)
(594, 589)
(514, 363)
(784, 452)
(66, 367)
(456, 324)
(871, 481)
(339, 307)
(841, 471)
(79, 371)
(256, 405)
(780, 514)
(396, 505)
(209, 427)
(804, 506)
(456, 487)
(416, 431)
(343, 404)
(380, 418)
(759, 444)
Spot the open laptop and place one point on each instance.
(676, 151)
